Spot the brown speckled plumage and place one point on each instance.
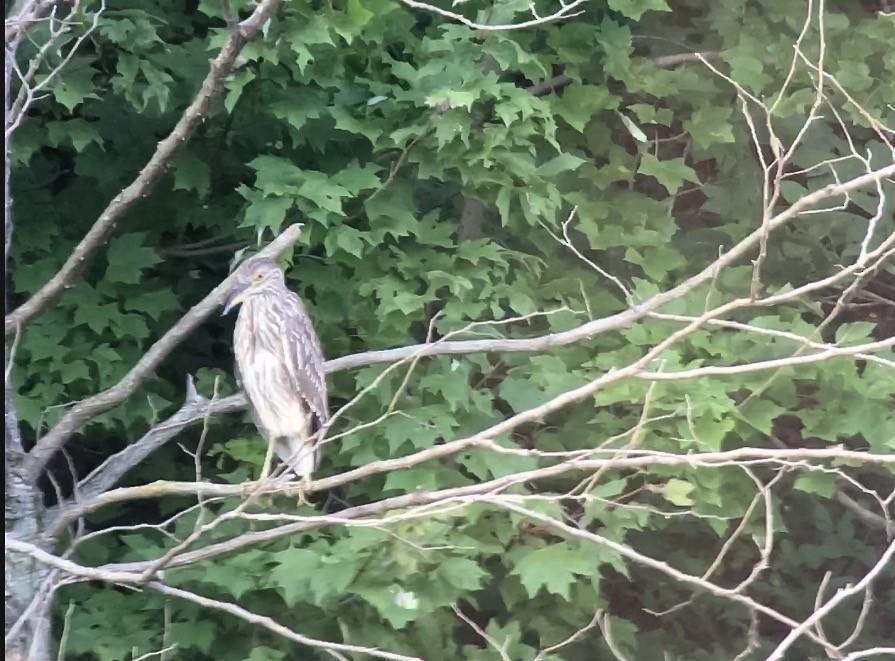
(280, 364)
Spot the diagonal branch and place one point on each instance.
(565, 11)
(22, 15)
(117, 465)
(586, 463)
(92, 406)
(128, 578)
(622, 319)
(634, 556)
(195, 409)
(456, 495)
(804, 629)
(142, 186)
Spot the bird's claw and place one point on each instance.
(245, 489)
(303, 488)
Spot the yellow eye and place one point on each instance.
(258, 279)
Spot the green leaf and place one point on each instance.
(236, 84)
(792, 191)
(581, 102)
(637, 8)
(562, 163)
(74, 86)
(267, 212)
(292, 575)
(263, 653)
(462, 573)
(128, 258)
(396, 605)
(331, 578)
(276, 176)
(76, 132)
(308, 32)
(711, 126)
(191, 173)
(75, 371)
(761, 413)
(327, 196)
(823, 484)
(553, 568)
(232, 578)
(521, 394)
(678, 492)
(343, 237)
(356, 178)
(746, 68)
(670, 173)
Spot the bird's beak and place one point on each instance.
(236, 297)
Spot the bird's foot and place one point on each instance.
(246, 488)
(303, 490)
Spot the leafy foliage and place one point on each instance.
(376, 125)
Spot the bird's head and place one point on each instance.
(254, 277)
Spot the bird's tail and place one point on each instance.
(301, 456)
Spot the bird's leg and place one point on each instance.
(265, 471)
(268, 459)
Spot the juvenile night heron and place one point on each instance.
(280, 364)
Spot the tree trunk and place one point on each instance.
(24, 575)
(24, 503)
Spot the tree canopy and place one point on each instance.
(635, 264)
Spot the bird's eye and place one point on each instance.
(258, 279)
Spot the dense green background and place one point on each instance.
(337, 119)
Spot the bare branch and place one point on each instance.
(142, 186)
(500, 649)
(622, 319)
(875, 652)
(641, 559)
(624, 459)
(23, 15)
(84, 410)
(571, 639)
(28, 90)
(805, 628)
(92, 406)
(128, 578)
(565, 11)
(789, 361)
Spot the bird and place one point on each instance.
(280, 364)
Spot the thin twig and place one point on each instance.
(152, 172)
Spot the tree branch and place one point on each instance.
(130, 578)
(108, 474)
(92, 406)
(22, 16)
(560, 81)
(142, 186)
(566, 11)
(663, 567)
(622, 319)
(805, 628)
(623, 460)
(195, 409)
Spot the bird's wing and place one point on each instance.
(304, 357)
